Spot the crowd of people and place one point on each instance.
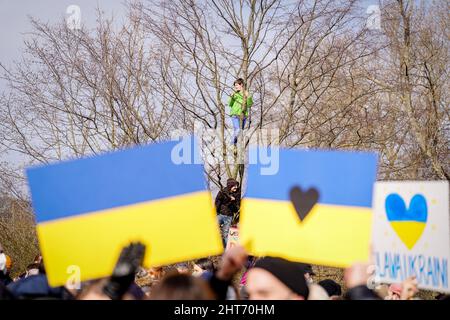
(236, 276)
(233, 276)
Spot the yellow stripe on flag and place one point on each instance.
(329, 235)
(174, 229)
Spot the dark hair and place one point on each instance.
(331, 287)
(239, 81)
(182, 287)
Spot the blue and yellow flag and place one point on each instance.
(329, 222)
(87, 210)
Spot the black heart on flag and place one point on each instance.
(303, 201)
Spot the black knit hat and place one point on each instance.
(292, 274)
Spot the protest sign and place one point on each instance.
(233, 237)
(316, 209)
(87, 210)
(411, 232)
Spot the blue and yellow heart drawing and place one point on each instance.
(408, 223)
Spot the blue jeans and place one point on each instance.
(236, 120)
(225, 224)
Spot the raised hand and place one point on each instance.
(127, 265)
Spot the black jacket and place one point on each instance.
(4, 293)
(5, 279)
(225, 204)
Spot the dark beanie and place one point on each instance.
(331, 287)
(292, 274)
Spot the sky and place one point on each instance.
(15, 23)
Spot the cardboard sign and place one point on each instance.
(87, 210)
(233, 237)
(315, 209)
(411, 232)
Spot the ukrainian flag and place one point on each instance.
(336, 232)
(87, 210)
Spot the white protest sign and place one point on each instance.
(411, 232)
(233, 238)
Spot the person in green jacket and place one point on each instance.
(238, 110)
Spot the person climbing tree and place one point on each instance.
(239, 110)
(227, 204)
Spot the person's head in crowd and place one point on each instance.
(332, 288)
(182, 287)
(277, 279)
(232, 185)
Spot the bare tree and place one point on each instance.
(316, 73)
(412, 74)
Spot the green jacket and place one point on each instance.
(235, 102)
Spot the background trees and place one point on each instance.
(318, 74)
